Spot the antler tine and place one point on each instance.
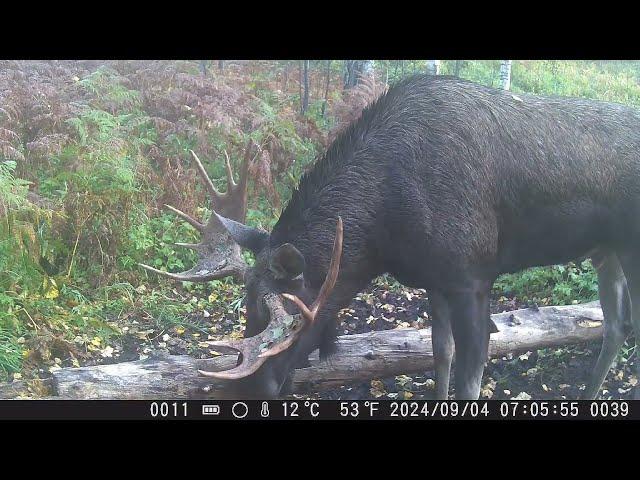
(249, 364)
(230, 182)
(200, 274)
(196, 224)
(205, 177)
(334, 268)
(251, 151)
(300, 304)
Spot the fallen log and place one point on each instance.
(358, 357)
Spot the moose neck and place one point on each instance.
(348, 183)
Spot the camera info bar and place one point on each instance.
(317, 410)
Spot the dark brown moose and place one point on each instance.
(445, 184)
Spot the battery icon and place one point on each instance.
(210, 409)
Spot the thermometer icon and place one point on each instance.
(265, 409)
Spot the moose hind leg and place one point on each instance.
(442, 339)
(470, 326)
(616, 307)
(630, 261)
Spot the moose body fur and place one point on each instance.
(443, 178)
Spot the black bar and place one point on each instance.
(253, 410)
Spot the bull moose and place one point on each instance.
(445, 184)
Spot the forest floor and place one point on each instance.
(558, 373)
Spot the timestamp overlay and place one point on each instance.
(318, 410)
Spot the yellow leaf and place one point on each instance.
(50, 288)
(586, 323)
(377, 389)
(179, 330)
(236, 335)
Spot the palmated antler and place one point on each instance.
(283, 329)
(218, 255)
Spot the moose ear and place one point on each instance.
(286, 262)
(247, 237)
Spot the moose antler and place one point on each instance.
(218, 255)
(283, 329)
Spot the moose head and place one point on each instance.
(281, 307)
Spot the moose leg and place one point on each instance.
(630, 262)
(442, 338)
(616, 307)
(470, 326)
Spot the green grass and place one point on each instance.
(554, 285)
(10, 354)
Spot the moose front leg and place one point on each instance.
(470, 327)
(442, 339)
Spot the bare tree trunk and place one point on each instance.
(366, 68)
(326, 88)
(456, 68)
(221, 65)
(285, 76)
(357, 358)
(433, 67)
(305, 100)
(354, 70)
(203, 67)
(350, 80)
(300, 81)
(505, 74)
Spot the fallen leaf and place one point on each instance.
(522, 396)
(586, 323)
(377, 388)
(106, 352)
